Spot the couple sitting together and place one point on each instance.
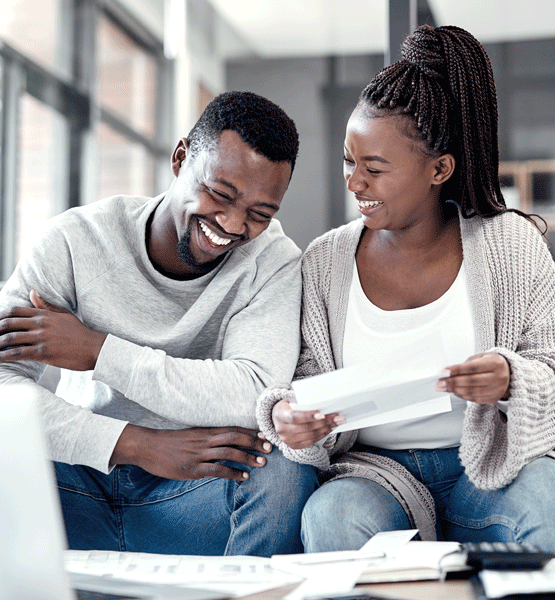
(180, 321)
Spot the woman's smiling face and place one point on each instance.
(395, 182)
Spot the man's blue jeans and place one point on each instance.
(346, 513)
(129, 509)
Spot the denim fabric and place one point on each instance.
(129, 509)
(346, 513)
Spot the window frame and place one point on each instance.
(76, 100)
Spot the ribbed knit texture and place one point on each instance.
(511, 281)
(415, 499)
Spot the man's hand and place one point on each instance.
(187, 454)
(301, 429)
(49, 335)
(483, 378)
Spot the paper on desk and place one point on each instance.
(498, 584)
(389, 542)
(234, 575)
(376, 549)
(416, 561)
(326, 579)
(363, 401)
(337, 572)
(93, 562)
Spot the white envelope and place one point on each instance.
(363, 401)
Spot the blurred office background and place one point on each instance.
(94, 94)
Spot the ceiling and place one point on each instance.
(281, 28)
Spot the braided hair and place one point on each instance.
(444, 81)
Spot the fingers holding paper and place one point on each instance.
(483, 378)
(301, 429)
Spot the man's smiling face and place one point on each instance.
(223, 197)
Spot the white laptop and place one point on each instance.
(32, 534)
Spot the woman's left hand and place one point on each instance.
(483, 378)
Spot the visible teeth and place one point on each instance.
(216, 239)
(369, 203)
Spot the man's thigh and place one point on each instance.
(132, 510)
(267, 507)
(521, 511)
(88, 517)
(188, 517)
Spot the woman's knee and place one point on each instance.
(530, 499)
(345, 513)
(520, 512)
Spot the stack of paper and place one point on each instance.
(417, 561)
(535, 583)
(231, 575)
(390, 558)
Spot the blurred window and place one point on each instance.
(127, 78)
(82, 98)
(126, 167)
(42, 189)
(39, 30)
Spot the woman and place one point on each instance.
(439, 268)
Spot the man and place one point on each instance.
(175, 313)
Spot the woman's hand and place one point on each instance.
(483, 378)
(301, 429)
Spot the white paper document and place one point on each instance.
(417, 561)
(338, 572)
(498, 584)
(326, 579)
(389, 542)
(93, 562)
(364, 402)
(234, 575)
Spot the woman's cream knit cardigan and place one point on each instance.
(511, 280)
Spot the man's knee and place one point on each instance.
(285, 477)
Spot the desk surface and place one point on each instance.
(410, 590)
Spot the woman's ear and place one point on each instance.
(179, 155)
(443, 168)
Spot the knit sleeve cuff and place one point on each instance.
(315, 455)
(496, 444)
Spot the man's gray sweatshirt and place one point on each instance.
(178, 353)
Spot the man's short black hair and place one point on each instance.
(260, 123)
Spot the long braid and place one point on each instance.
(445, 83)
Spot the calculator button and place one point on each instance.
(500, 546)
(487, 547)
(514, 547)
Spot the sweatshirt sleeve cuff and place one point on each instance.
(88, 451)
(115, 363)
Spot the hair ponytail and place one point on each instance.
(445, 83)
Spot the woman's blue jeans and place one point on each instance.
(129, 509)
(345, 513)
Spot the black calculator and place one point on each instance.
(506, 556)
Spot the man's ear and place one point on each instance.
(443, 168)
(179, 155)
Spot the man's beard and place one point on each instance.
(186, 256)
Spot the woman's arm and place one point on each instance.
(496, 444)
